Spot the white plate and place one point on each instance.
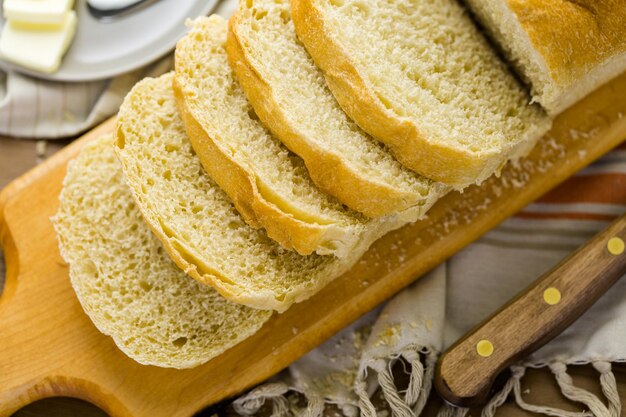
(102, 50)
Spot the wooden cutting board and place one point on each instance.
(48, 346)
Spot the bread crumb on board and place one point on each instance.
(390, 336)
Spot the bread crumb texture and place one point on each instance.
(196, 220)
(440, 96)
(281, 197)
(428, 62)
(125, 280)
(299, 108)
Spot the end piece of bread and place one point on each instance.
(269, 185)
(419, 77)
(290, 96)
(565, 49)
(124, 279)
(197, 222)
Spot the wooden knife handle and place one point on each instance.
(467, 370)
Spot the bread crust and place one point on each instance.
(243, 188)
(573, 37)
(564, 49)
(582, 43)
(330, 172)
(456, 167)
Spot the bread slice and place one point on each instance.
(197, 222)
(124, 279)
(565, 49)
(289, 94)
(420, 77)
(269, 185)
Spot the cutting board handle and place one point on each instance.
(467, 370)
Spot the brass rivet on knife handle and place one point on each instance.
(535, 316)
(615, 245)
(484, 348)
(552, 296)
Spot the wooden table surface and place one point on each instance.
(18, 156)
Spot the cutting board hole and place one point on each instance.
(60, 406)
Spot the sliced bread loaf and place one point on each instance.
(124, 279)
(269, 185)
(420, 77)
(196, 220)
(566, 49)
(289, 94)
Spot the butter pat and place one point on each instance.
(40, 50)
(46, 12)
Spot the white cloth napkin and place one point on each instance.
(415, 326)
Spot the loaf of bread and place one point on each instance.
(421, 78)
(565, 49)
(201, 187)
(289, 94)
(197, 222)
(269, 185)
(124, 279)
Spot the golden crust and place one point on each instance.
(573, 37)
(329, 171)
(410, 146)
(242, 187)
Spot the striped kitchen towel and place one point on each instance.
(34, 108)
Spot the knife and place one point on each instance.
(466, 372)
